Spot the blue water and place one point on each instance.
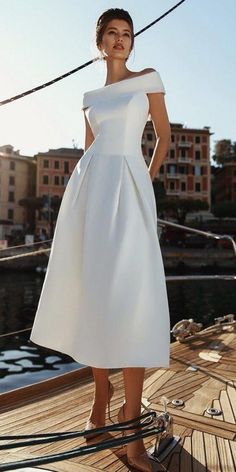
(23, 363)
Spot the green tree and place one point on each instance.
(31, 204)
(179, 207)
(159, 189)
(225, 151)
(224, 209)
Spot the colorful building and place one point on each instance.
(185, 172)
(17, 181)
(54, 169)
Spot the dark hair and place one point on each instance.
(112, 14)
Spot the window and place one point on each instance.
(197, 155)
(183, 138)
(197, 139)
(197, 171)
(172, 185)
(12, 165)
(197, 187)
(150, 152)
(182, 169)
(149, 136)
(45, 163)
(45, 179)
(56, 180)
(172, 153)
(11, 196)
(172, 138)
(10, 214)
(11, 180)
(66, 167)
(56, 165)
(183, 186)
(62, 180)
(172, 169)
(183, 153)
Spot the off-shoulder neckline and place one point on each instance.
(119, 81)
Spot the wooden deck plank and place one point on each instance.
(231, 390)
(181, 388)
(212, 455)
(186, 455)
(232, 445)
(198, 452)
(207, 443)
(226, 407)
(202, 397)
(155, 375)
(149, 391)
(201, 423)
(225, 455)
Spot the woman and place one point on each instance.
(104, 299)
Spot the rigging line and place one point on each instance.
(160, 222)
(199, 231)
(41, 438)
(26, 254)
(39, 87)
(25, 245)
(79, 451)
(15, 332)
(168, 279)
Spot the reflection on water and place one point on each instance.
(23, 363)
(201, 300)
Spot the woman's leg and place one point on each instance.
(98, 411)
(133, 380)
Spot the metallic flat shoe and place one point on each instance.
(90, 425)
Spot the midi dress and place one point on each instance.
(104, 298)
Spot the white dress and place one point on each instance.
(104, 299)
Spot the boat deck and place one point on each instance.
(207, 443)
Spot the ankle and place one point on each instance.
(135, 448)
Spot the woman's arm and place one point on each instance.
(159, 116)
(89, 137)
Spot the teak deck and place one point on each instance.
(207, 443)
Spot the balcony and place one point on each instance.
(172, 192)
(169, 175)
(183, 160)
(185, 144)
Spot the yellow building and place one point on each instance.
(17, 181)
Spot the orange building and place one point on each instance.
(185, 172)
(54, 169)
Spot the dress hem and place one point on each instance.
(107, 366)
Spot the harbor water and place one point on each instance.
(23, 363)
